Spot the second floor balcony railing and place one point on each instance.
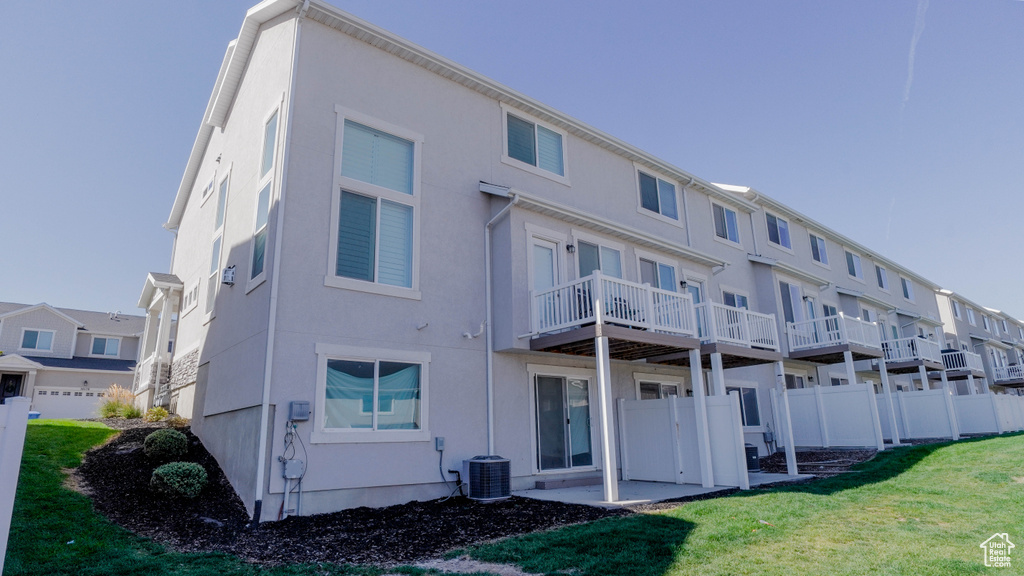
(624, 303)
(721, 323)
(1004, 373)
(910, 349)
(832, 331)
(955, 360)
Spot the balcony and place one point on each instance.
(824, 340)
(1010, 376)
(744, 338)
(960, 364)
(639, 321)
(906, 355)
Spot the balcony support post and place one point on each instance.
(851, 374)
(785, 427)
(887, 389)
(717, 374)
(971, 386)
(700, 407)
(610, 473)
(923, 372)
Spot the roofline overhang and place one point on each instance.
(42, 305)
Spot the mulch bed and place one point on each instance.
(116, 477)
(821, 463)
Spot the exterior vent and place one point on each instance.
(487, 477)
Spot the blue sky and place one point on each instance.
(808, 102)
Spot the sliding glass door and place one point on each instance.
(563, 423)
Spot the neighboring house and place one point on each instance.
(992, 342)
(64, 360)
(419, 252)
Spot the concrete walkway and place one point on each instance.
(632, 493)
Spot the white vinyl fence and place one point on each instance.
(977, 414)
(921, 414)
(658, 441)
(826, 416)
(13, 420)
(1010, 411)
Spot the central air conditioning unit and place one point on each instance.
(487, 478)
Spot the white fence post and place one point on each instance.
(13, 421)
(822, 419)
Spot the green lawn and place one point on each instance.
(917, 510)
(921, 510)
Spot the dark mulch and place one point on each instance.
(117, 474)
(821, 463)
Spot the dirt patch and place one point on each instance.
(821, 463)
(117, 476)
(464, 565)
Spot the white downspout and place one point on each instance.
(261, 454)
(490, 324)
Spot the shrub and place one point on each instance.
(120, 395)
(177, 421)
(131, 412)
(182, 479)
(110, 409)
(165, 445)
(155, 414)
(119, 402)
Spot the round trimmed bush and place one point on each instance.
(165, 445)
(155, 414)
(179, 479)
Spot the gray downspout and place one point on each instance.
(490, 325)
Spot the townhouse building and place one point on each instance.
(64, 359)
(404, 263)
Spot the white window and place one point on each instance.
(749, 409)
(984, 322)
(853, 265)
(970, 316)
(190, 298)
(1006, 327)
(956, 309)
(375, 216)
(370, 395)
(655, 387)
(208, 189)
(658, 274)
(41, 340)
(829, 310)
(1020, 331)
(598, 257)
(726, 226)
(882, 278)
(818, 250)
(213, 277)
(838, 380)
(262, 216)
(908, 288)
(792, 310)
(535, 145)
(778, 231)
(105, 346)
(657, 195)
(795, 381)
(735, 300)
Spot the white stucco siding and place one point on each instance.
(12, 329)
(128, 349)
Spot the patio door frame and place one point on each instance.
(565, 373)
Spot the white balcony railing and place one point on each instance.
(721, 323)
(832, 331)
(962, 360)
(571, 305)
(911, 348)
(1003, 373)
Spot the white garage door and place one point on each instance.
(64, 403)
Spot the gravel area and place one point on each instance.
(821, 463)
(116, 477)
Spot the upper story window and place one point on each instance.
(792, 310)
(213, 280)
(853, 265)
(657, 274)
(658, 195)
(726, 226)
(266, 180)
(970, 316)
(1006, 327)
(984, 323)
(778, 231)
(735, 300)
(818, 250)
(105, 346)
(1020, 332)
(41, 340)
(882, 278)
(828, 310)
(956, 309)
(535, 145)
(375, 219)
(908, 288)
(595, 257)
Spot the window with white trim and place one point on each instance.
(41, 340)
(265, 187)
(819, 250)
(658, 274)
(956, 309)
(657, 195)
(726, 226)
(970, 316)
(749, 409)
(534, 144)
(376, 207)
(791, 294)
(882, 278)
(1020, 332)
(778, 230)
(656, 390)
(190, 298)
(105, 346)
(985, 324)
(213, 277)
(597, 257)
(828, 310)
(1006, 327)
(735, 300)
(853, 265)
(838, 380)
(795, 381)
(908, 289)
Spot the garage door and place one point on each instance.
(64, 403)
